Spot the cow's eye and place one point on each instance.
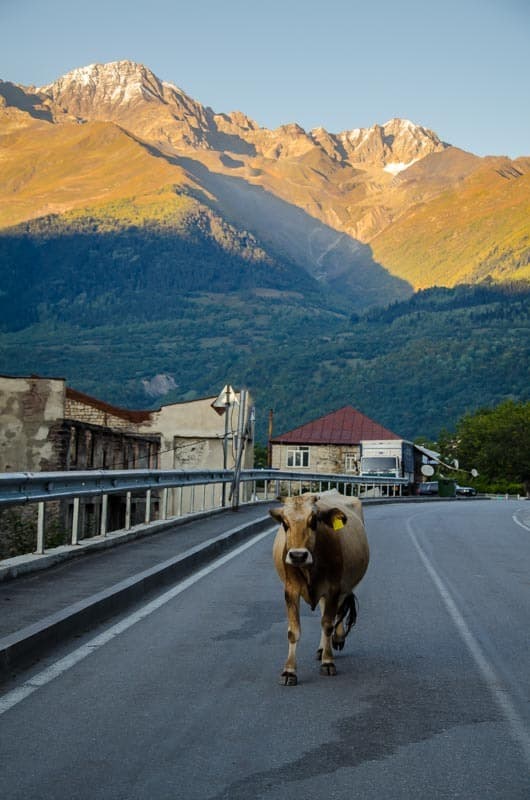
(285, 525)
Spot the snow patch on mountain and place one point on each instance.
(396, 167)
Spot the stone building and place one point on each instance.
(45, 426)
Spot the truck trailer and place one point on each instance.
(387, 458)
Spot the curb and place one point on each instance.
(31, 642)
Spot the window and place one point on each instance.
(350, 464)
(298, 457)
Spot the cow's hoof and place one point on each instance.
(318, 654)
(288, 679)
(328, 669)
(338, 644)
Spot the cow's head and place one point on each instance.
(302, 520)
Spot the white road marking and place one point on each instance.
(15, 696)
(518, 522)
(500, 693)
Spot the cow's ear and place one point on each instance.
(277, 514)
(334, 518)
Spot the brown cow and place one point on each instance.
(321, 553)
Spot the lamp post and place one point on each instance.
(226, 399)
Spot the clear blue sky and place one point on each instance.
(460, 67)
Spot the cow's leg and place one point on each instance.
(328, 606)
(347, 617)
(339, 632)
(292, 601)
(322, 643)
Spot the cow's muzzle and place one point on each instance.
(299, 557)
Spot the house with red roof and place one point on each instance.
(329, 445)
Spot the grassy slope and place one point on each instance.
(479, 228)
(55, 168)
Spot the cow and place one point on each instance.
(320, 553)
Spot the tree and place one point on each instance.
(496, 442)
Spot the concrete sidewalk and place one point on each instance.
(40, 608)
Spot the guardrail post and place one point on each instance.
(41, 528)
(164, 503)
(179, 502)
(103, 520)
(148, 506)
(128, 505)
(75, 521)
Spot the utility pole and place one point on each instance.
(269, 445)
(240, 446)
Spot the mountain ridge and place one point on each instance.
(338, 205)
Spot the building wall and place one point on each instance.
(326, 459)
(30, 409)
(192, 435)
(75, 409)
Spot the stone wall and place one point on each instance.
(91, 414)
(325, 459)
(29, 409)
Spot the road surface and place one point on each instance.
(180, 698)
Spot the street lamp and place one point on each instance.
(226, 398)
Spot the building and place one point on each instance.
(46, 426)
(329, 445)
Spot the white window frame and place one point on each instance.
(350, 462)
(298, 457)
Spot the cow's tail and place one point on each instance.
(347, 613)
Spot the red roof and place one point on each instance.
(345, 426)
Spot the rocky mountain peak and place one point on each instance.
(105, 86)
(395, 145)
(132, 95)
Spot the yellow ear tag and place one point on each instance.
(337, 524)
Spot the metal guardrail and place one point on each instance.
(23, 488)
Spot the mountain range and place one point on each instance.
(375, 212)
(124, 201)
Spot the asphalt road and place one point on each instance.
(180, 699)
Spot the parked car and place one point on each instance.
(468, 491)
(428, 487)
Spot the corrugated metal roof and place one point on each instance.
(345, 426)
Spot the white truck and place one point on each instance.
(387, 458)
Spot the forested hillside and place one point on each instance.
(414, 366)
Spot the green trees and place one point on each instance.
(496, 442)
